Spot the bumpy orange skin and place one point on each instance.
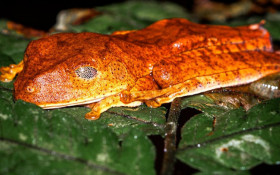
(168, 59)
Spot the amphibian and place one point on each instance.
(168, 59)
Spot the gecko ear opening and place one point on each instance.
(86, 72)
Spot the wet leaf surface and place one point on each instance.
(238, 139)
(31, 137)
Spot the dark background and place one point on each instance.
(41, 14)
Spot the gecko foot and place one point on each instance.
(152, 103)
(92, 115)
(8, 73)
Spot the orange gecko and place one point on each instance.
(168, 59)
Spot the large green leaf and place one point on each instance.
(121, 120)
(238, 140)
(12, 48)
(32, 137)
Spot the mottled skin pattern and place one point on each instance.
(168, 59)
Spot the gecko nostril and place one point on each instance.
(29, 89)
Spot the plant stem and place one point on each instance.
(170, 137)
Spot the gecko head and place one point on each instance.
(69, 69)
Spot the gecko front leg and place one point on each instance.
(105, 104)
(8, 73)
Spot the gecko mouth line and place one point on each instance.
(66, 104)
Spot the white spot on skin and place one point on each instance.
(22, 137)
(177, 45)
(254, 26)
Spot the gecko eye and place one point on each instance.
(86, 72)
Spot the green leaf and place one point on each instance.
(228, 172)
(121, 120)
(202, 103)
(239, 140)
(5, 60)
(273, 25)
(138, 154)
(129, 16)
(54, 140)
(12, 47)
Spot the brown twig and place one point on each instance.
(170, 138)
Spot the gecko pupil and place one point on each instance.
(86, 72)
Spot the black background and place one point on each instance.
(41, 14)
